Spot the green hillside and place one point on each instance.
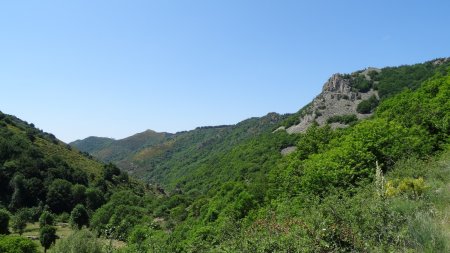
(328, 196)
(42, 176)
(382, 184)
(110, 150)
(165, 158)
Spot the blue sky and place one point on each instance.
(115, 68)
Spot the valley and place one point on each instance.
(364, 167)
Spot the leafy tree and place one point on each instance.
(4, 222)
(18, 197)
(79, 217)
(79, 194)
(367, 106)
(59, 196)
(47, 236)
(17, 244)
(109, 171)
(46, 219)
(94, 198)
(19, 220)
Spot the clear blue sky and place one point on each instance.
(115, 68)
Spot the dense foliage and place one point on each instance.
(379, 185)
(17, 244)
(260, 201)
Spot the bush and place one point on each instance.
(81, 241)
(367, 106)
(346, 119)
(17, 244)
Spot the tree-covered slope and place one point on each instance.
(379, 185)
(375, 186)
(110, 150)
(166, 160)
(38, 170)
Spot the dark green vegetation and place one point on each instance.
(380, 185)
(343, 119)
(43, 178)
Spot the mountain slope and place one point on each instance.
(374, 186)
(110, 150)
(345, 98)
(167, 160)
(33, 162)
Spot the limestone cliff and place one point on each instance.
(340, 96)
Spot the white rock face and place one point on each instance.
(337, 98)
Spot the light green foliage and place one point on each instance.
(117, 218)
(80, 241)
(17, 244)
(411, 187)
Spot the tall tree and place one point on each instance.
(47, 236)
(4, 222)
(59, 196)
(18, 197)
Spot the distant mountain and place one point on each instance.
(110, 150)
(164, 158)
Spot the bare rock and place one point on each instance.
(288, 150)
(337, 98)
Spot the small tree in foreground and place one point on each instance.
(47, 236)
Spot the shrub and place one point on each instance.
(343, 119)
(81, 241)
(367, 106)
(17, 244)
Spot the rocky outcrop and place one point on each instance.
(338, 97)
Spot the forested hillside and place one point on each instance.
(185, 153)
(381, 184)
(41, 176)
